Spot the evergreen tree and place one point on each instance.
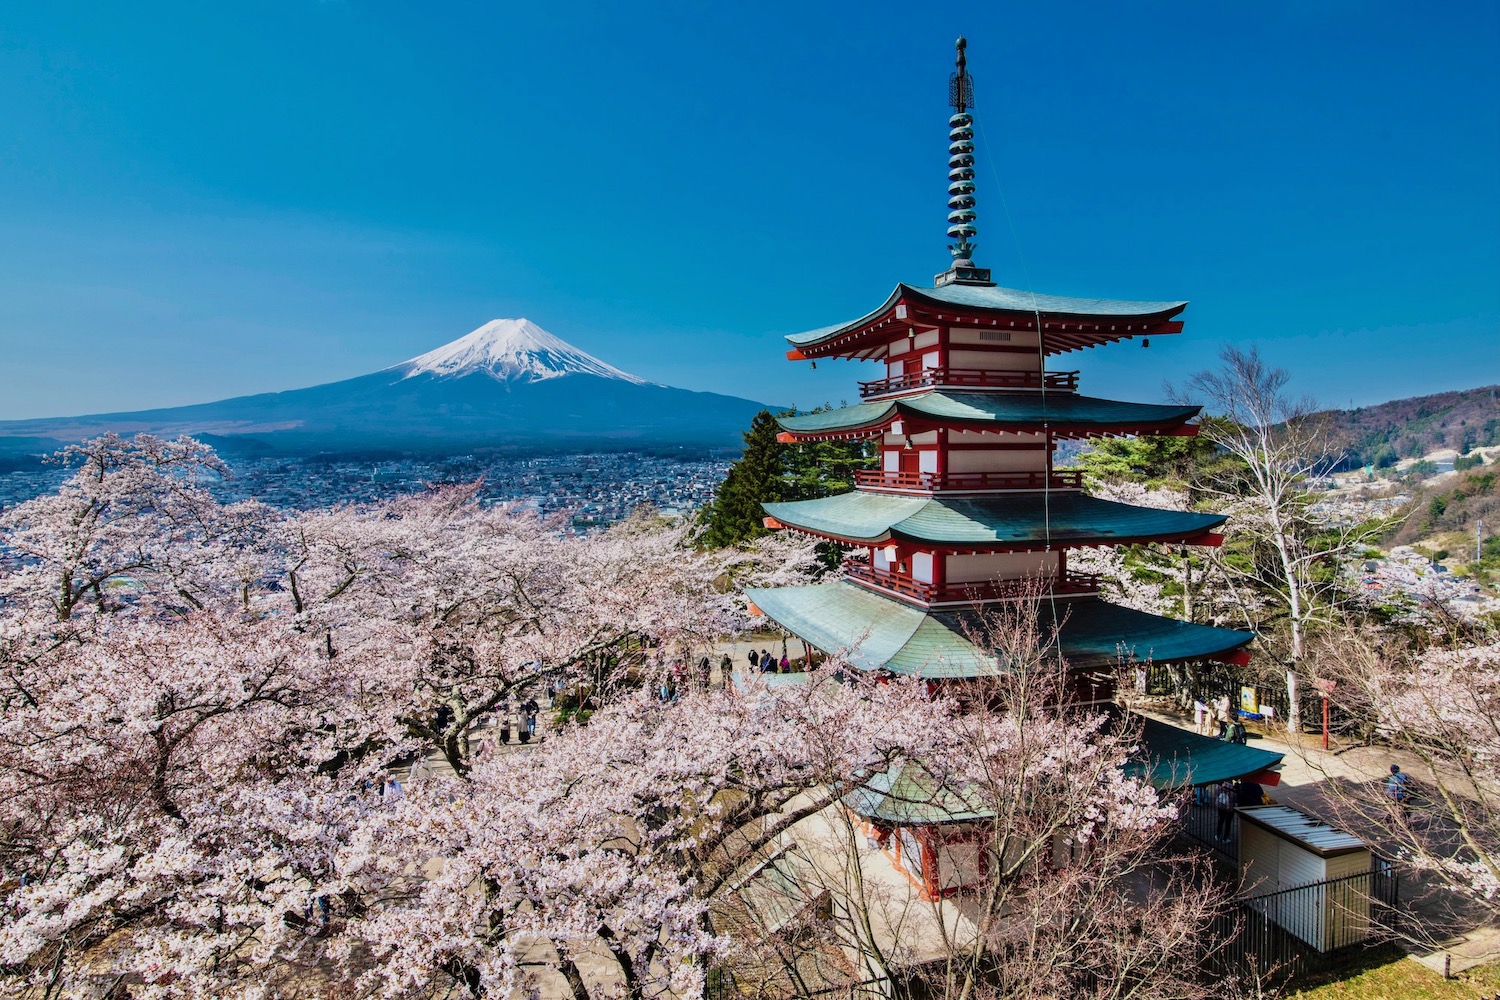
(735, 515)
(769, 472)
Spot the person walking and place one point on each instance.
(529, 710)
(1224, 806)
(726, 667)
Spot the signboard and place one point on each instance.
(1249, 701)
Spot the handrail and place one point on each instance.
(987, 590)
(931, 482)
(970, 378)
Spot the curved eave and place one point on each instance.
(1066, 323)
(1063, 415)
(998, 524)
(876, 632)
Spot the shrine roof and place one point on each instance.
(1173, 757)
(1067, 518)
(995, 409)
(1169, 758)
(908, 793)
(878, 632)
(993, 298)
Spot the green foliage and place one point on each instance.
(771, 472)
(735, 516)
(1152, 459)
(1463, 463)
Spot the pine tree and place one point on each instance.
(735, 516)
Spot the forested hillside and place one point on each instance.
(1384, 434)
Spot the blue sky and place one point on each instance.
(205, 200)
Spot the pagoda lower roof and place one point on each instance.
(1067, 323)
(1167, 757)
(1172, 758)
(1017, 521)
(876, 632)
(1062, 413)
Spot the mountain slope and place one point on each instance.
(508, 385)
(1383, 434)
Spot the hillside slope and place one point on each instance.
(1383, 434)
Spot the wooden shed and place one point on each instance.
(1309, 878)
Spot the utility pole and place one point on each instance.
(1479, 540)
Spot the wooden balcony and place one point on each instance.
(970, 378)
(1070, 585)
(877, 480)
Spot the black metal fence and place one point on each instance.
(1212, 681)
(1281, 936)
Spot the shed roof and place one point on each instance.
(1305, 831)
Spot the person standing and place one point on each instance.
(1200, 716)
(530, 709)
(726, 666)
(1224, 807)
(1397, 786)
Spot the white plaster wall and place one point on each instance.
(998, 461)
(1010, 361)
(1000, 566)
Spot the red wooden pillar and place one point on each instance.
(942, 458)
(930, 888)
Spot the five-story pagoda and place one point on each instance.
(966, 509)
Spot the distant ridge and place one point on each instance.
(1383, 434)
(509, 385)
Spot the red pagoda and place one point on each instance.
(966, 508)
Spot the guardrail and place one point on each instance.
(1071, 584)
(970, 378)
(931, 482)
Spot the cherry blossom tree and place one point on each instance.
(135, 515)
(1289, 545)
(1436, 705)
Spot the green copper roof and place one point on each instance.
(1029, 410)
(1021, 519)
(1175, 758)
(878, 632)
(1169, 758)
(993, 297)
(908, 794)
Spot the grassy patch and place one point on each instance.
(1388, 975)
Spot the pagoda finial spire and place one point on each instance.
(961, 213)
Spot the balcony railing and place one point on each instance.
(1068, 585)
(931, 482)
(970, 378)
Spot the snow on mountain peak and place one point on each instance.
(511, 349)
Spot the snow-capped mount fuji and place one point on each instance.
(509, 385)
(511, 350)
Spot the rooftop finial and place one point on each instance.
(961, 213)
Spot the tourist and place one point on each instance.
(530, 709)
(786, 665)
(754, 660)
(1224, 806)
(767, 665)
(1247, 793)
(705, 673)
(1200, 717)
(1397, 786)
(726, 666)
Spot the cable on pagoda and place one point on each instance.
(961, 99)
